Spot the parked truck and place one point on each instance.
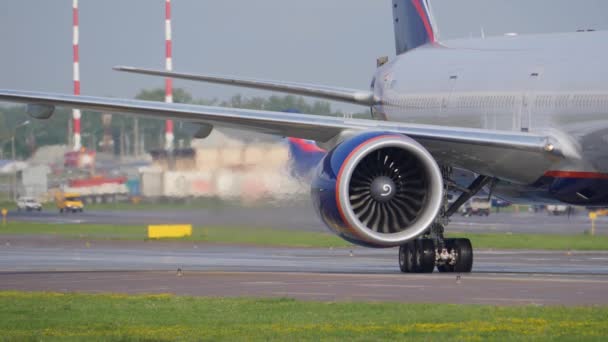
(99, 189)
(477, 206)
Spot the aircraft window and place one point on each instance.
(562, 101)
(465, 102)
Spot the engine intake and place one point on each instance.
(378, 189)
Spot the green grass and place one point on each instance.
(582, 242)
(76, 317)
(297, 238)
(225, 235)
(7, 204)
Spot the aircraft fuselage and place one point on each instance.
(554, 82)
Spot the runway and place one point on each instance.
(301, 216)
(499, 277)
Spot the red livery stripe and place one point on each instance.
(576, 174)
(306, 146)
(425, 20)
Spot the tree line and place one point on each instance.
(54, 131)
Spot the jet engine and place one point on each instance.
(378, 189)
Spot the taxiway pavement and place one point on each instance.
(499, 277)
(303, 217)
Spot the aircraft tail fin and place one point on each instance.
(414, 24)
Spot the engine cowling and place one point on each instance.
(378, 189)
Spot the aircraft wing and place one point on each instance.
(353, 96)
(492, 153)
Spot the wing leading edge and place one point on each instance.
(360, 97)
(492, 153)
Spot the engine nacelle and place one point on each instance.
(378, 189)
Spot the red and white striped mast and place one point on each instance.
(76, 114)
(169, 137)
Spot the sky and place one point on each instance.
(315, 41)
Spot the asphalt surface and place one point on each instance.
(499, 277)
(303, 217)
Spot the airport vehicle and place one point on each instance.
(524, 115)
(477, 206)
(28, 204)
(557, 209)
(99, 189)
(69, 202)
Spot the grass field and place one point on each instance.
(296, 238)
(54, 316)
(227, 235)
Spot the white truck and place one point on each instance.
(557, 209)
(28, 204)
(477, 206)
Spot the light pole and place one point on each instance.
(14, 185)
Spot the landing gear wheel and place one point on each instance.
(403, 253)
(464, 250)
(417, 256)
(425, 256)
(407, 257)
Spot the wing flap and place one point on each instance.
(360, 97)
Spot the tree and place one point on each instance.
(54, 131)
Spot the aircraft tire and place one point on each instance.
(426, 256)
(464, 262)
(403, 255)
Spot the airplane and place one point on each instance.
(526, 115)
(304, 156)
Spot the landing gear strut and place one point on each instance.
(449, 255)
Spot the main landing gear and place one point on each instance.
(421, 256)
(433, 249)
